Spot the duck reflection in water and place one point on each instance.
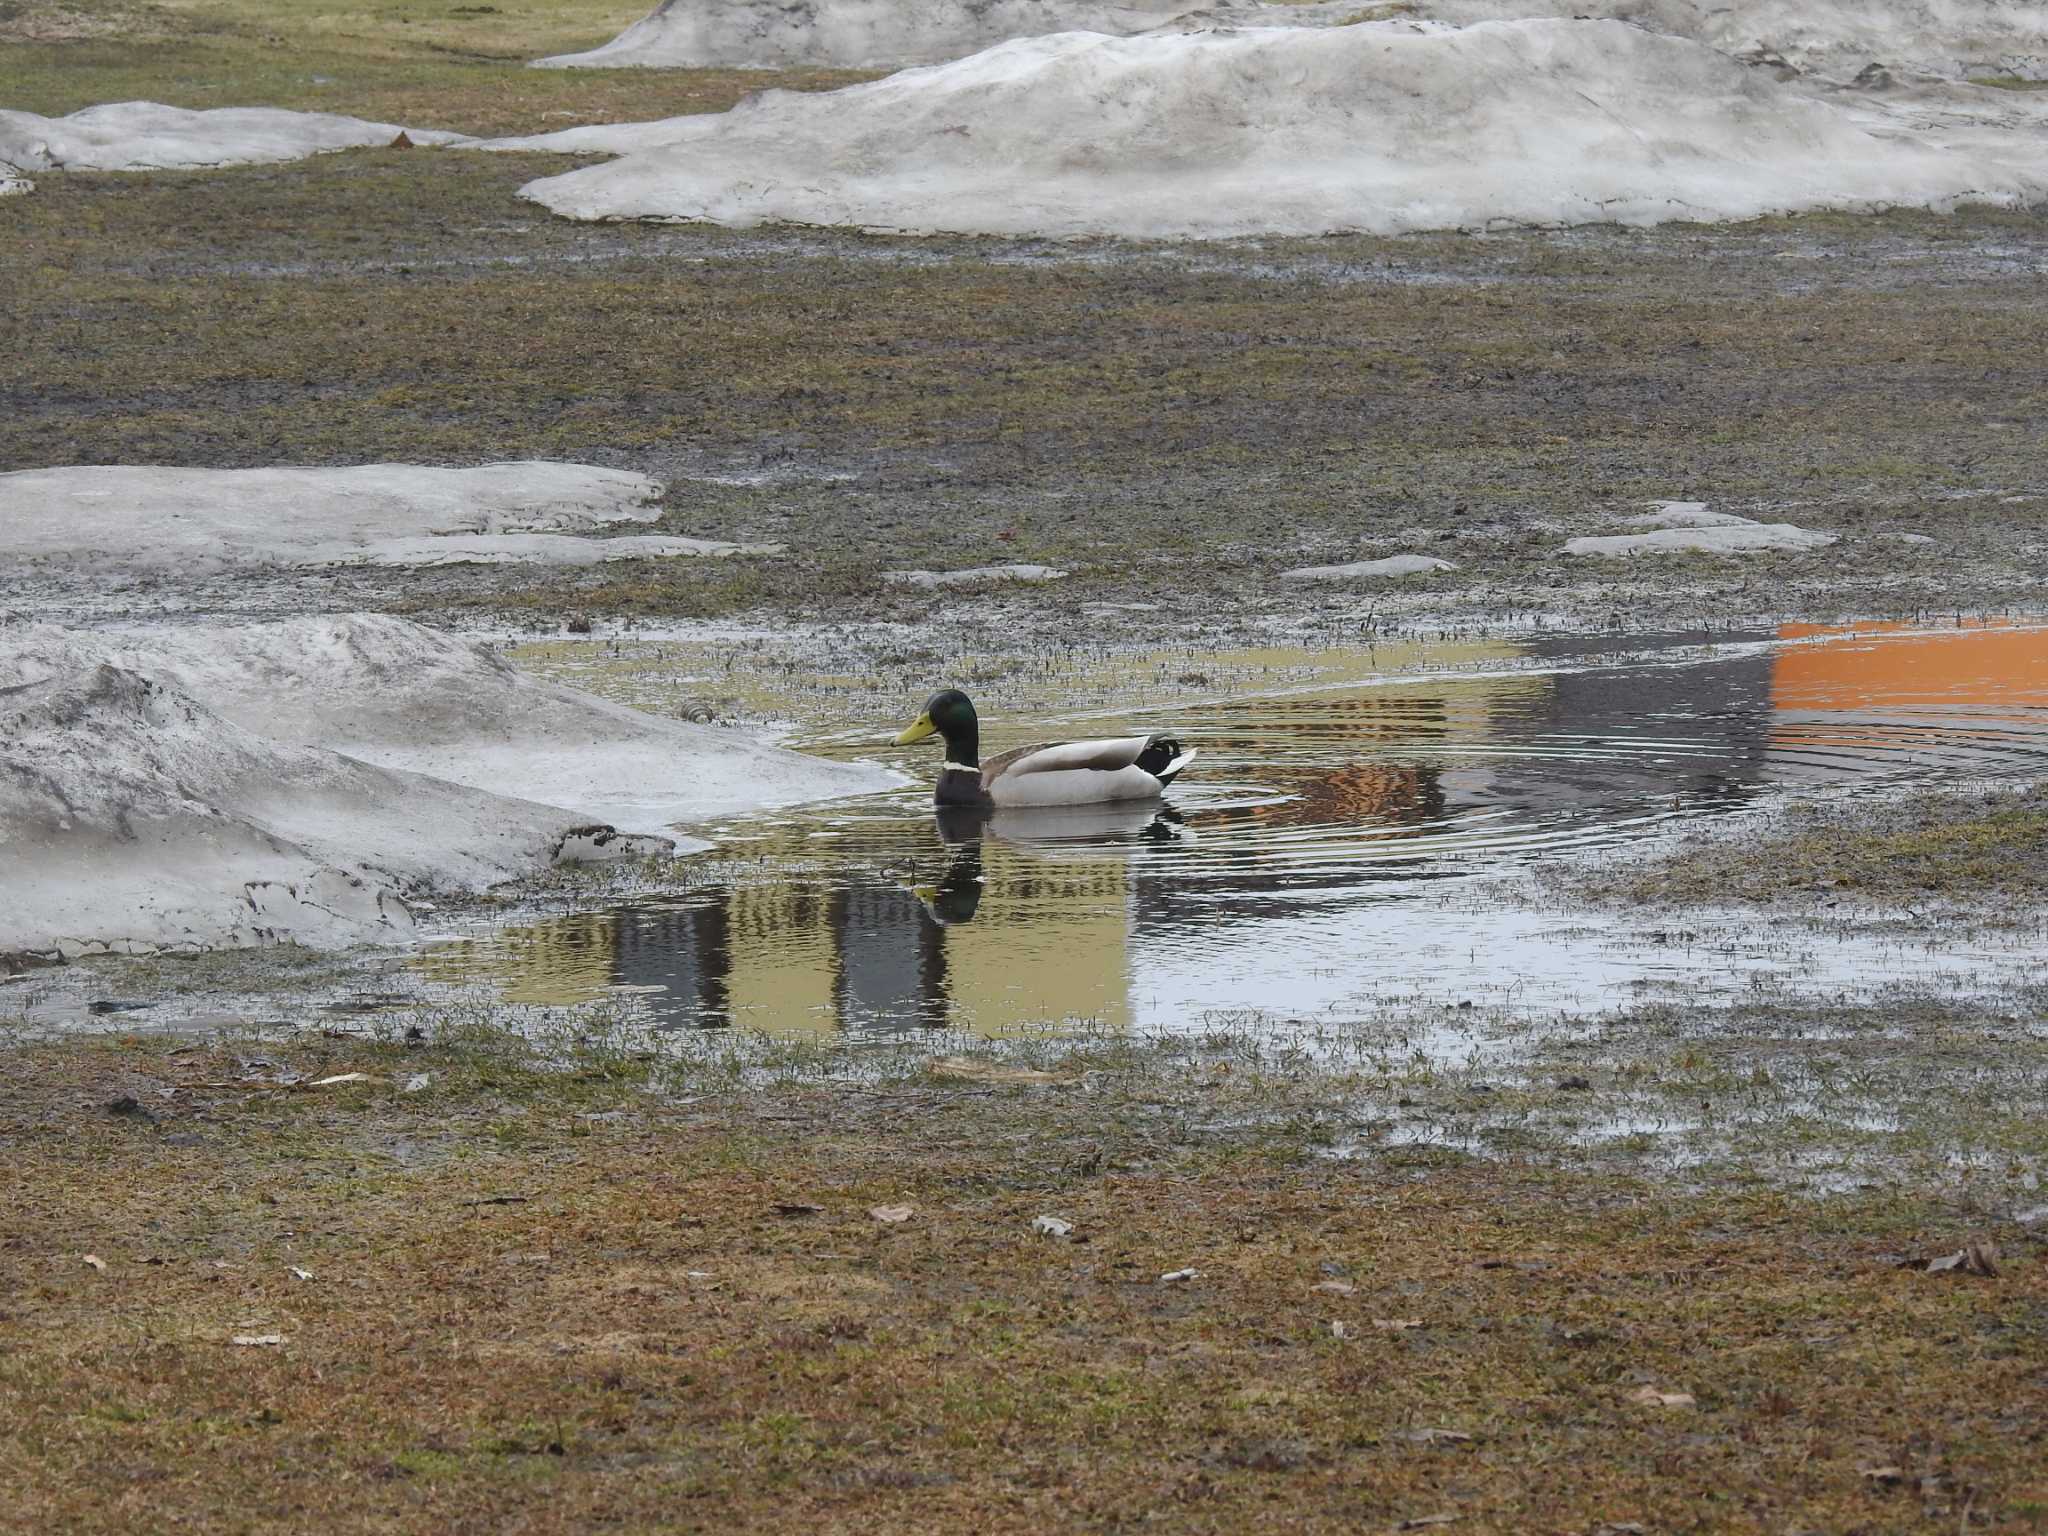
(1056, 832)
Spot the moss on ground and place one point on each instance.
(500, 1303)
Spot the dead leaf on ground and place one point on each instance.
(1177, 1276)
(1335, 1287)
(1051, 1226)
(1339, 1331)
(93, 1261)
(258, 1340)
(297, 1273)
(343, 1077)
(1397, 1324)
(973, 1069)
(890, 1215)
(1650, 1397)
(1885, 1474)
(797, 1208)
(1420, 1521)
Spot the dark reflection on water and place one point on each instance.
(1294, 866)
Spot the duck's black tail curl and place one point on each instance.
(1158, 756)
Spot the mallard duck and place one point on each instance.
(1059, 773)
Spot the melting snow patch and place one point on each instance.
(406, 697)
(972, 576)
(136, 819)
(145, 136)
(1836, 39)
(1376, 127)
(1737, 537)
(12, 182)
(874, 34)
(198, 519)
(1686, 514)
(1392, 565)
(188, 787)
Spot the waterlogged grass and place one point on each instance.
(1990, 849)
(582, 1286)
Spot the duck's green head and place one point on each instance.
(949, 714)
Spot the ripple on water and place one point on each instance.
(1311, 859)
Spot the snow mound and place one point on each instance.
(895, 34)
(196, 786)
(972, 576)
(147, 136)
(1834, 39)
(1392, 565)
(861, 34)
(1686, 514)
(199, 519)
(1731, 536)
(1375, 127)
(135, 819)
(404, 697)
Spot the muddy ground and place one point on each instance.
(1173, 425)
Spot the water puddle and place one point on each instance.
(1327, 852)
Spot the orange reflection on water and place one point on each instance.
(1996, 665)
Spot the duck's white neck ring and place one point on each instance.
(959, 768)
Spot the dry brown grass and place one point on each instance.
(653, 1338)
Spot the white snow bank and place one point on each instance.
(1392, 565)
(1835, 39)
(132, 818)
(198, 519)
(147, 136)
(402, 696)
(972, 575)
(1379, 127)
(874, 34)
(1728, 536)
(541, 549)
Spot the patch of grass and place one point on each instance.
(652, 1328)
(1988, 848)
(458, 67)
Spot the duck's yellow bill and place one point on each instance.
(917, 730)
